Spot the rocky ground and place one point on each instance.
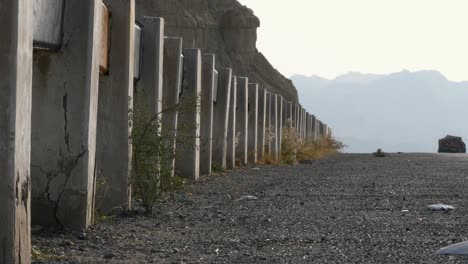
(343, 209)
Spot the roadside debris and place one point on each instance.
(247, 197)
(379, 153)
(441, 207)
(455, 249)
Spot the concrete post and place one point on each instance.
(15, 123)
(314, 127)
(290, 114)
(188, 149)
(298, 120)
(268, 127)
(172, 79)
(206, 114)
(113, 147)
(231, 136)
(64, 120)
(261, 125)
(307, 125)
(304, 125)
(274, 126)
(253, 123)
(150, 85)
(221, 108)
(279, 129)
(242, 119)
(293, 116)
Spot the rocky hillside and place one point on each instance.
(223, 27)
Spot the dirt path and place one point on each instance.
(344, 209)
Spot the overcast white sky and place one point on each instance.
(332, 37)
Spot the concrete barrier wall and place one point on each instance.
(279, 129)
(221, 107)
(15, 130)
(188, 149)
(64, 119)
(231, 135)
(206, 114)
(242, 120)
(268, 128)
(274, 126)
(115, 89)
(172, 81)
(252, 148)
(262, 123)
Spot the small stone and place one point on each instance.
(109, 255)
(68, 243)
(175, 250)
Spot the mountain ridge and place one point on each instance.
(412, 109)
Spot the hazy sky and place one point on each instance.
(333, 37)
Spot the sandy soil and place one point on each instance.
(344, 209)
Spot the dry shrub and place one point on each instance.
(318, 149)
(295, 149)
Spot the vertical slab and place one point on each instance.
(188, 149)
(314, 127)
(242, 119)
(64, 120)
(15, 130)
(252, 141)
(290, 112)
(113, 147)
(268, 127)
(274, 126)
(206, 112)
(261, 124)
(298, 120)
(307, 125)
(149, 87)
(221, 106)
(231, 135)
(172, 79)
(304, 125)
(279, 130)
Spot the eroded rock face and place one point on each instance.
(223, 27)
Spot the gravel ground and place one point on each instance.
(350, 208)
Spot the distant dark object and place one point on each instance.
(379, 153)
(451, 144)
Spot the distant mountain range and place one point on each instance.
(404, 111)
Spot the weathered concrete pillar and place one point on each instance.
(274, 126)
(268, 127)
(307, 126)
(261, 125)
(279, 129)
(303, 122)
(150, 86)
(290, 112)
(172, 80)
(221, 107)
(231, 135)
(294, 116)
(64, 120)
(188, 149)
(15, 123)
(113, 147)
(297, 120)
(314, 127)
(206, 112)
(242, 119)
(253, 123)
